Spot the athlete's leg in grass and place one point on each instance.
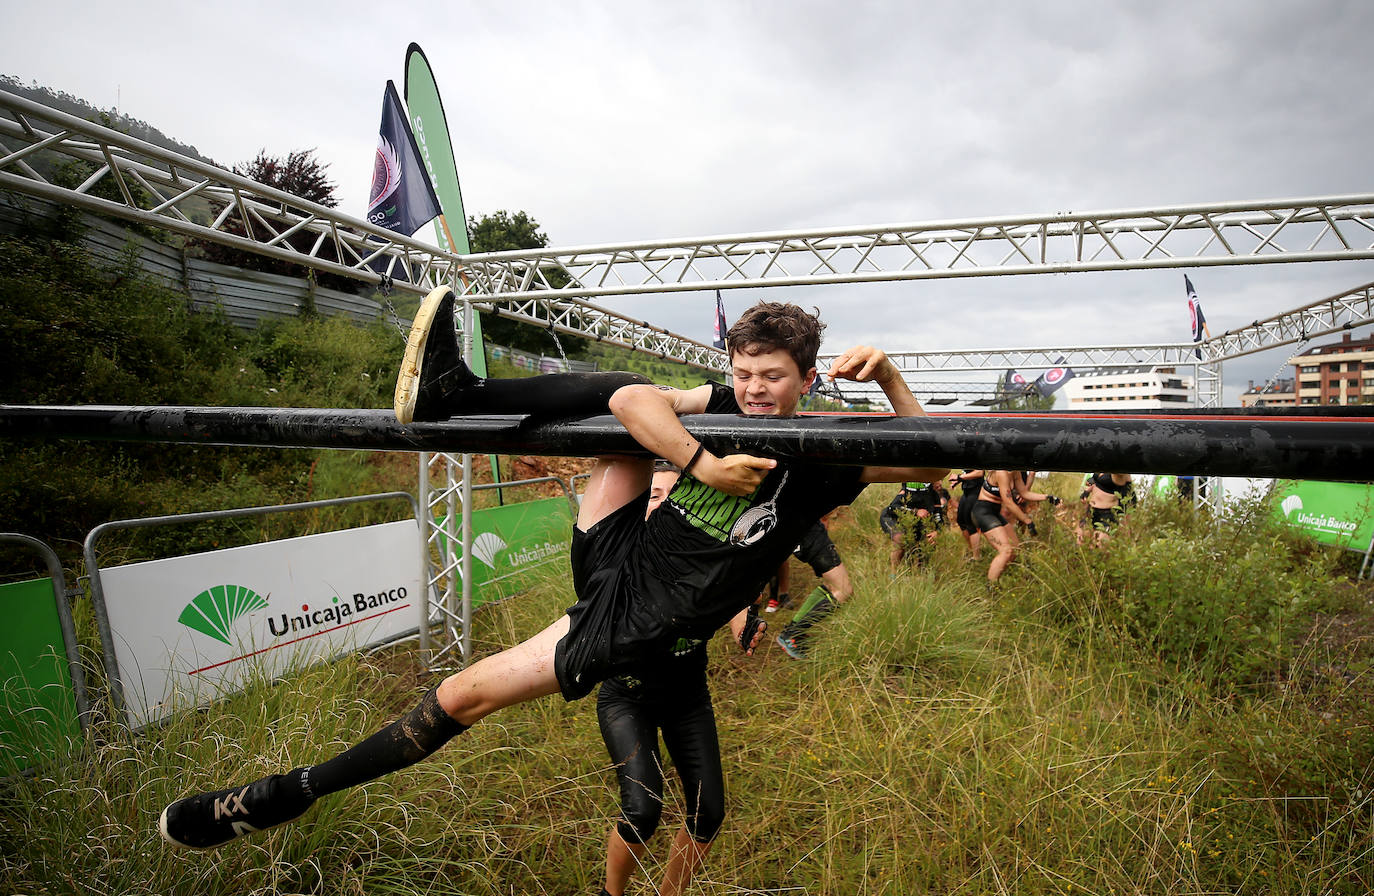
(515, 675)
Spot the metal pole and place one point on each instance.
(465, 645)
(426, 520)
(1271, 446)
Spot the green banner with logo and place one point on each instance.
(1334, 513)
(430, 126)
(516, 545)
(38, 719)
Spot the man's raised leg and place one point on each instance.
(434, 383)
(514, 675)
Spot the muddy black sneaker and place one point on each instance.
(433, 369)
(213, 819)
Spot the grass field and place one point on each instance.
(1184, 712)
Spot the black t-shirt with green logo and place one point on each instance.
(705, 555)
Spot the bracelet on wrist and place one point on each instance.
(687, 468)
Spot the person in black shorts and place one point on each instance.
(819, 552)
(995, 513)
(641, 585)
(668, 695)
(1108, 496)
(972, 483)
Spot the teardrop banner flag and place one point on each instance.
(430, 126)
(401, 198)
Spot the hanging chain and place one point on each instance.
(1302, 334)
(567, 365)
(392, 314)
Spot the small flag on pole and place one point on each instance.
(1049, 382)
(719, 341)
(1196, 318)
(402, 198)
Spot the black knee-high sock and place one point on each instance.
(552, 395)
(404, 742)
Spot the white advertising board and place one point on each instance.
(189, 629)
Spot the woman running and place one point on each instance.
(1109, 494)
(972, 481)
(669, 696)
(994, 515)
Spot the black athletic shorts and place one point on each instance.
(610, 630)
(1106, 517)
(963, 515)
(818, 550)
(987, 515)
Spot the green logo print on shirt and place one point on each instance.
(725, 517)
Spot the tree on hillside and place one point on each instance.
(301, 174)
(503, 231)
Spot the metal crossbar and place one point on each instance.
(1335, 228)
(139, 181)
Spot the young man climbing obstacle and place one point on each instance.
(640, 584)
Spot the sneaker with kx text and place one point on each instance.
(208, 820)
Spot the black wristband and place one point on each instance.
(687, 468)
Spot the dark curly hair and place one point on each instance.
(768, 326)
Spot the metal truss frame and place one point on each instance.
(140, 182)
(1343, 311)
(1335, 228)
(144, 183)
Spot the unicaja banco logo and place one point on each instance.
(214, 610)
(1290, 504)
(485, 546)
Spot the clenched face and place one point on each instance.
(769, 384)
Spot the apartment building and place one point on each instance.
(1136, 388)
(1278, 393)
(1337, 372)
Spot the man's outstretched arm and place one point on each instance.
(864, 364)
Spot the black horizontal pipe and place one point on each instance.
(1322, 447)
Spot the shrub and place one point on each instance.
(1222, 601)
(74, 333)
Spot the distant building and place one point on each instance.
(1336, 373)
(1134, 388)
(1277, 393)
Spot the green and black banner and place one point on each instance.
(1334, 513)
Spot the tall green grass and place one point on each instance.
(1047, 738)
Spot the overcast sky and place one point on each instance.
(627, 121)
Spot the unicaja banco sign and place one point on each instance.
(1335, 513)
(214, 611)
(258, 609)
(515, 543)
